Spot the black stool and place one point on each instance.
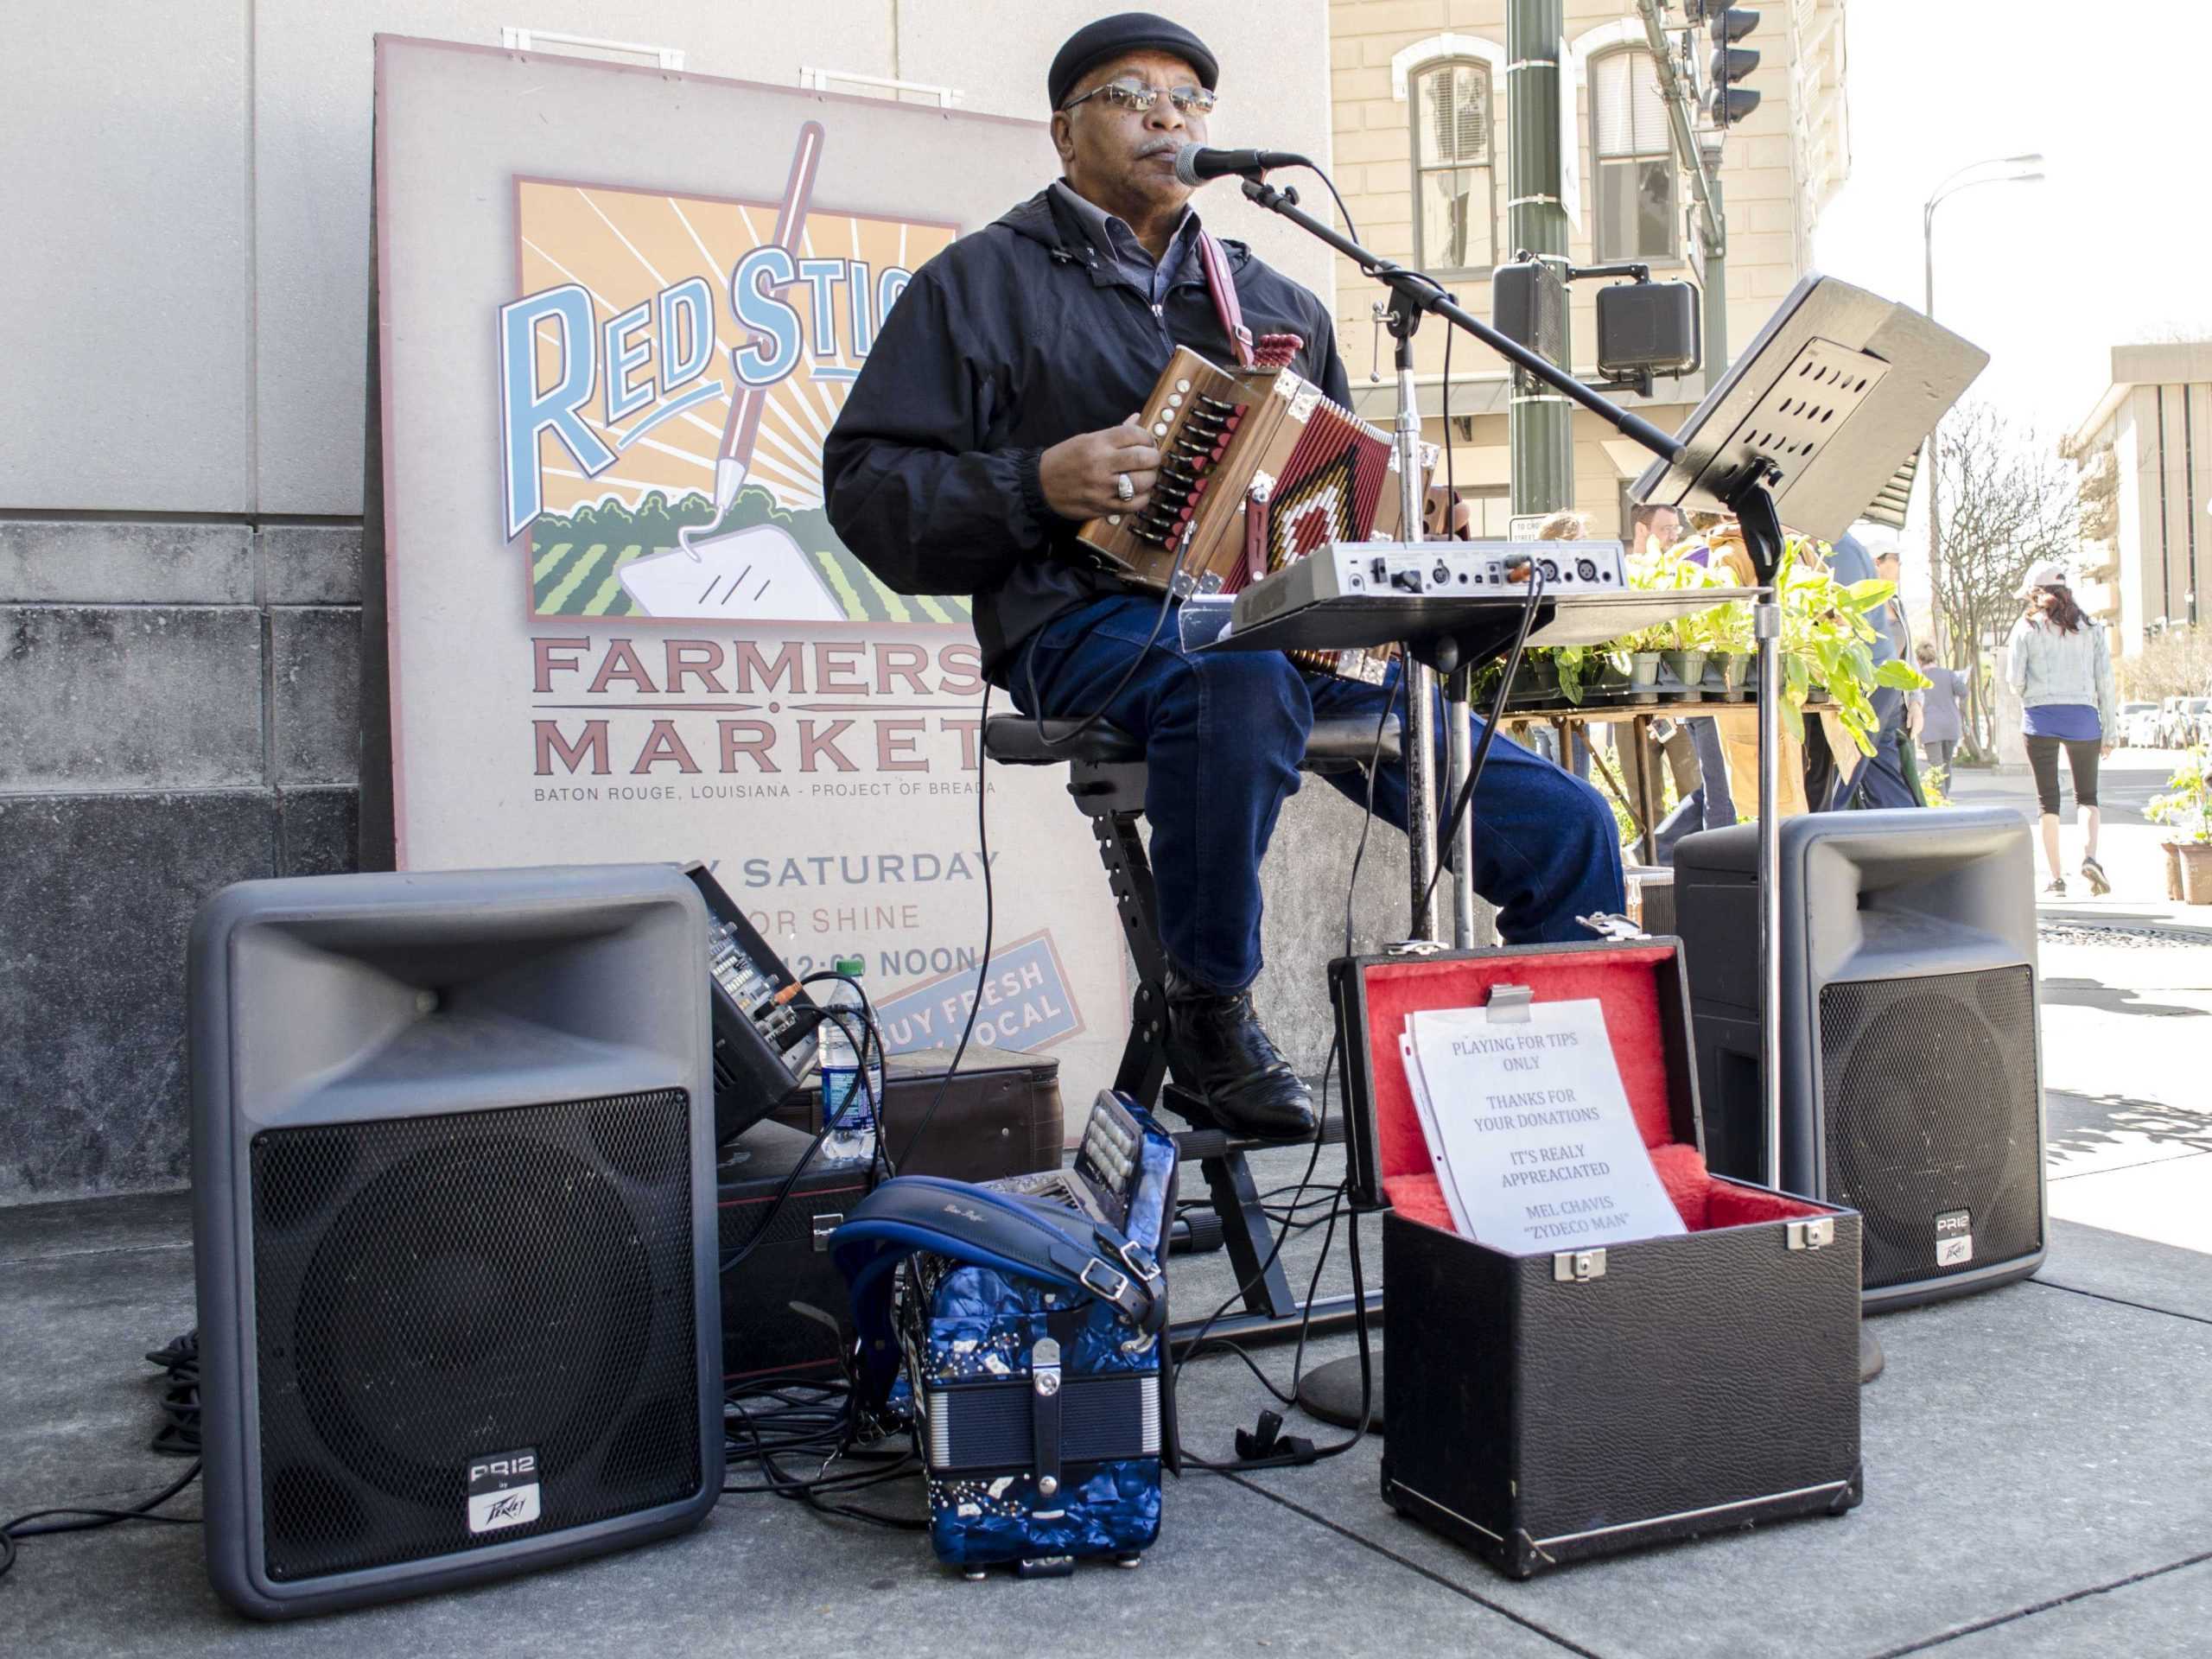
(1107, 779)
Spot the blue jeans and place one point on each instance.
(1879, 779)
(1711, 805)
(1223, 733)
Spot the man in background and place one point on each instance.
(1691, 748)
(1888, 777)
(1940, 726)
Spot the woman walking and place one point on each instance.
(1939, 709)
(2058, 662)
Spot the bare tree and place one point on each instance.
(2009, 500)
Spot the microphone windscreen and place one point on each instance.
(1186, 164)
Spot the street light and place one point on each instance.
(1949, 188)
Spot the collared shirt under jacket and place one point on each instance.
(1013, 339)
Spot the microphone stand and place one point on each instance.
(1414, 294)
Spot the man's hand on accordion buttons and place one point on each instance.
(1080, 477)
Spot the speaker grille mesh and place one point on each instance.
(435, 1290)
(1929, 1097)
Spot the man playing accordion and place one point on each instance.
(993, 419)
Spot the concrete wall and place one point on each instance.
(180, 473)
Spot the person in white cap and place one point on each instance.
(2058, 662)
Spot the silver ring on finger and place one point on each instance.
(1123, 489)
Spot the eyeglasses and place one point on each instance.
(1137, 97)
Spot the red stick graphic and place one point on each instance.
(743, 429)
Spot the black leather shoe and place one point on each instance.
(1216, 1047)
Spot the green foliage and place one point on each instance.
(1828, 630)
(1572, 662)
(2187, 804)
(575, 555)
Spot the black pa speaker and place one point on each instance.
(1911, 1070)
(454, 1210)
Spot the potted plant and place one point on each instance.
(1693, 637)
(2186, 806)
(1729, 641)
(1538, 681)
(1572, 665)
(1643, 650)
(1827, 639)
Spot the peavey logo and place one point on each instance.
(1955, 1238)
(503, 1490)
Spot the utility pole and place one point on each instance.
(1932, 461)
(1716, 284)
(1701, 161)
(1932, 458)
(1540, 422)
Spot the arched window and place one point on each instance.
(1455, 214)
(1639, 213)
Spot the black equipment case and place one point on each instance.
(1550, 1407)
(1000, 1114)
(762, 1335)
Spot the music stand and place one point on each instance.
(1811, 423)
(1807, 428)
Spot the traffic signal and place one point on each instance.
(1728, 102)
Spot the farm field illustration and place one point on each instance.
(669, 374)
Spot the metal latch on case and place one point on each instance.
(824, 1224)
(1578, 1267)
(1044, 1409)
(1511, 1003)
(1816, 1234)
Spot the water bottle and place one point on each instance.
(849, 1110)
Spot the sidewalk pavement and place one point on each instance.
(2037, 1458)
(2125, 980)
(2129, 847)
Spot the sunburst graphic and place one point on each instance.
(625, 247)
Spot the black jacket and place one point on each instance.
(1010, 340)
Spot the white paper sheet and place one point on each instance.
(1539, 1149)
(1425, 1110)
(758, 572)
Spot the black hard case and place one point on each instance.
(762, 1334)
(1702, 1382)
(1000, 1114)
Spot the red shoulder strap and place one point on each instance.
(1274, 351)
(1223, 286)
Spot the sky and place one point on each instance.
(2114, 246)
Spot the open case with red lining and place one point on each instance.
(1548, 1407)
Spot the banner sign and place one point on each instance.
(621, 626)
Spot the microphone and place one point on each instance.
(1196, 164)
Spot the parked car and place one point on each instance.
(2170, 735)
(2195, 722)
(2139, 725)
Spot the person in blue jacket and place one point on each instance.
(992, 419)
(1882, 777)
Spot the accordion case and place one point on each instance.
(1038, 1410)
(1549, 1408)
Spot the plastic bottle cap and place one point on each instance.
(850, 964)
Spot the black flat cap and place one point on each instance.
(1128, 31)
